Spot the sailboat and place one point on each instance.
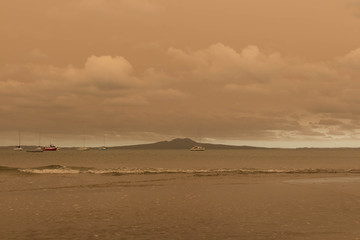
(83, 148)
(50, 148)
(198, 147)
(103, 148)
(18, 148)
(38, 148)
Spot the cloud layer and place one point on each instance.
(228, 94)
(147, 70)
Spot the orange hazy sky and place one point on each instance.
(279, 73)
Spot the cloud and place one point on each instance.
(355, 5)
(109, 73)
(37, 55)
(246, 94)
(222, 63)
(47, 86)
(126, 101)
(351, 60)
(265, 84)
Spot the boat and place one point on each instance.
(18, 148)
(82, 149)
(103, 148)
(197, 148)
(50, 148)
(38, 149)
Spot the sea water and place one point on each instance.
(179, 194)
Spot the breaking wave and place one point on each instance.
(59, 169)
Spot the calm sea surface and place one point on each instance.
(179, 194)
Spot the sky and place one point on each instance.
(279, 73)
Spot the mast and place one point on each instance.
(103, 147)
(19, 138)
(104, 140)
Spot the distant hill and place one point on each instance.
(182, 143)
(177, 143)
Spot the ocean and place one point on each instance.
(248, 194)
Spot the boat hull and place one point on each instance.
(50, 149)
(197, 148)
(83, 149)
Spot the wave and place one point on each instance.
(8, 169)
(55, 169)
(50, 169)
(59, 169)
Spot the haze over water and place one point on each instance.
(252, 72)
(279, 73)
(179, 194)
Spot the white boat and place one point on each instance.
(38, 149)
(103, 148)
(18, 148)
(197, 148)
(82, 149)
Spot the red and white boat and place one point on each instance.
(50, 148)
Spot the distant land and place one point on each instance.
(183, 143)
(177, 143)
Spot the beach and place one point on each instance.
(178, 194)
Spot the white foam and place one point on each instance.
(125, 171)
(51, 171)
